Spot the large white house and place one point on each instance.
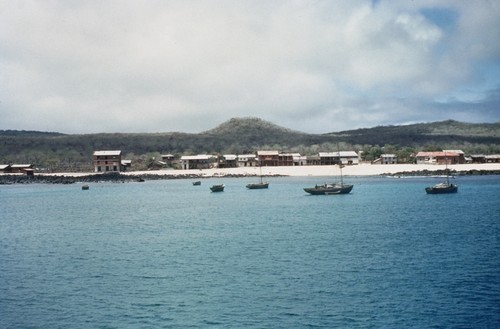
(107, 161)
(201, 161)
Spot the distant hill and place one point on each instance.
(422, 133)
(239, 136)
(28, 133)
(250, 127)
(250, 134)
(244, 130)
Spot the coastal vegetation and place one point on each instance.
(52, 151)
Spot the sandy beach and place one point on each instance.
(354, 170)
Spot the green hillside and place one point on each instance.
(58, 152)
(423, 133)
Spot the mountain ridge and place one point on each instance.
(73, 152)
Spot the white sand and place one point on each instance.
(355, 170)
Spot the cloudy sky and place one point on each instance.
(180, 65)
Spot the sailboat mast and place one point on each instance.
(446, 166)
(260, 171)
(340, 166)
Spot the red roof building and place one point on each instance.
(440, 158)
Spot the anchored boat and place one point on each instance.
(259, 185)
(441, 188)
(328, 189)
(445, 187)
(217, 188)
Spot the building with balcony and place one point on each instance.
(107, 161)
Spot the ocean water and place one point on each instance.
(167, 254)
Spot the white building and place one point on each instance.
(388, 159)
(299, 160)
(343, 157)
(247, 160)
(201, 161)
(107, 161)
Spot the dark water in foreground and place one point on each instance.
(166, 254)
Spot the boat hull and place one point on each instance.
(217, 188)
(452, 188)
(329, 189)
(257, 186)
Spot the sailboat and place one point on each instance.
(445, 187)
(259, 185)
(328, 189)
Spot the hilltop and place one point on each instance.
(247, 126)
(244, 135)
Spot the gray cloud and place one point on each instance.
(317, 66)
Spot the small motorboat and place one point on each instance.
(217, 188)
(255, 186)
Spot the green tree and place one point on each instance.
(406, 155)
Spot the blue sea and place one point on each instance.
(167, 254)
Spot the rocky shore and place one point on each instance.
(443, 172)
(97, 178)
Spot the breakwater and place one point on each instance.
(443, 172)
(93, 178)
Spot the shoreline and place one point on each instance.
(332, 170)
(290, 171)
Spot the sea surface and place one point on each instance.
(167, 254)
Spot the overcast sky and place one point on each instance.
(180, 65)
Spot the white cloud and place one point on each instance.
(316, 66)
